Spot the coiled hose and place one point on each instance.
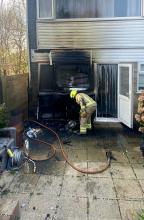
(81, 170)
(17, 160)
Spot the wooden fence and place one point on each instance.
(13, 92)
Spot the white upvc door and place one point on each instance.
(125, 99)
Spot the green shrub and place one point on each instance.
(3, 116)
(141, 215)
(140, 112)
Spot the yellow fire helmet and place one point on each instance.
(73, 94)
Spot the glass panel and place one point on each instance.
(134, 8)
(45, 8)
(97, 8)
(120, 8)
(104, 8)
(142, 67)
(84, 8)
(141, 81)
(124, 81)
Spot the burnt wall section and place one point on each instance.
(32, 41)
(33, 90)
(70, 69)
(71, 56)
(114, 34)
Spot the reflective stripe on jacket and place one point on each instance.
(84, 100)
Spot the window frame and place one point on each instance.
(38, 10)
(142, 8)
(138, 76)
(53, 17)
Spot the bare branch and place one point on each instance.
(12, 36)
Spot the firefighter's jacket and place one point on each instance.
(85, 101)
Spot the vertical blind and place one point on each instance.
(89, 8)
(106, 82)
(97, 8)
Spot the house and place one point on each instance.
(96, 46)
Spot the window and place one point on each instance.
(124, 81)
(97, 8)
(45, 8)
(88, 8)
(127, 8)
(141, 77)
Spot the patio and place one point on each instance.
(57, 192)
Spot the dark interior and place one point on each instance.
(55, 83)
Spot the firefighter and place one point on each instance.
(87, 108)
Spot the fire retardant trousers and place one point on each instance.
(85, 122)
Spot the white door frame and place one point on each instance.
(100, 119)
(130, 94)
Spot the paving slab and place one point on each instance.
(58, 156)
(69, 171)
(100, 209)
(84, 143)
(35, 216)
(128, 189)
(132, 138)
(94, 145)
(49, 185)
(54, 168)
(5, 181)
(139, 170)
(23, 199)
(134, 147)
(113, 147)
(135, 157)
(9, 209)
(122, 170)
(76, 143)
(142, 184)
(120, 157)
(43, 204)
(71, 208)
(77, 155)
(75, 186)
(105, 174)
(24, 183)
(112, 141)
(96, 155)
(130, 208)
(101, 188)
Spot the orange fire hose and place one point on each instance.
(82, 170)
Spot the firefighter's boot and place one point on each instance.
(83, 130)
(89, 126)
